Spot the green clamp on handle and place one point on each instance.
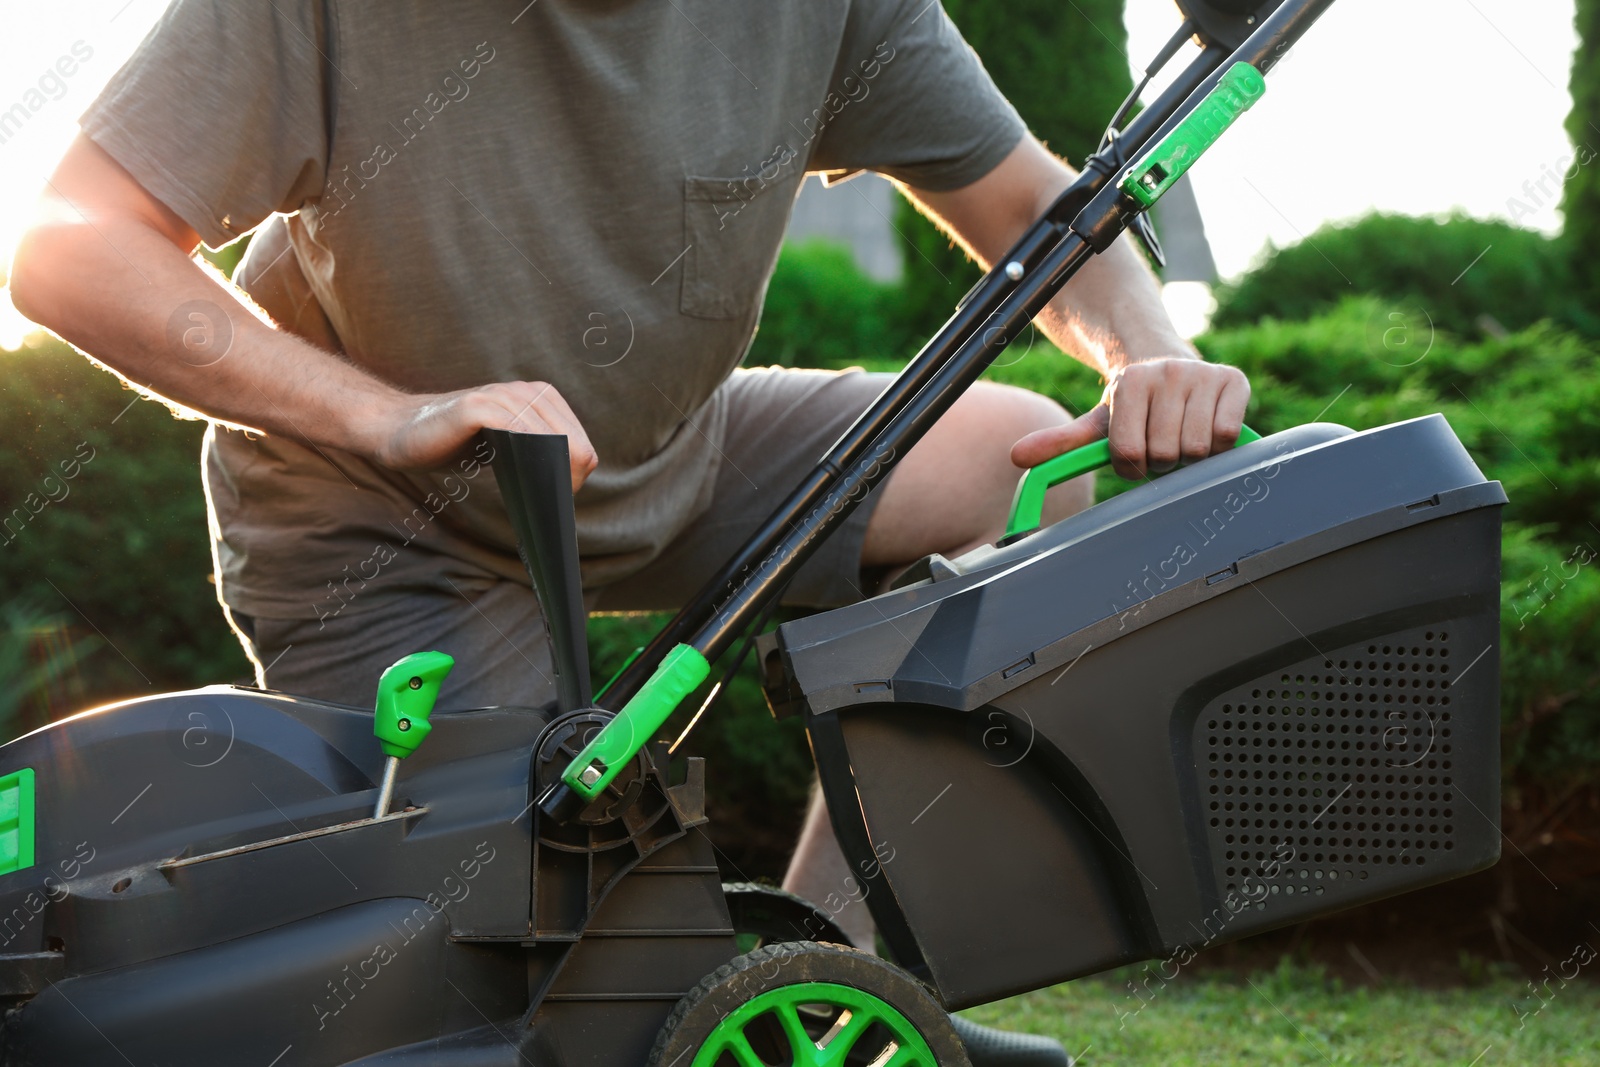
(406, 693)
(603, 758)
(1237, 89)
(1027, 507)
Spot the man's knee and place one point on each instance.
(1040, 411)
(1019, 409)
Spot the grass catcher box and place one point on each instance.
(1254, 691)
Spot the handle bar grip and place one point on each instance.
(1027, 506)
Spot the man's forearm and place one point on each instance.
(1110, 314)
(122, 292)
(1161, 402)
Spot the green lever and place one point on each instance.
(1027, 507)
(406, 694)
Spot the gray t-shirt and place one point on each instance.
(590, 193)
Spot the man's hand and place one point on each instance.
(1158, 412)
(423, 432)
(1162, 403)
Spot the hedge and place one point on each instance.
(103, 523)
(1580, 202)
(1464, 275)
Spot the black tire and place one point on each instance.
(714, 1005)
(766, 915)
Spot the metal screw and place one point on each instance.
(1015, 271)
(416, 683)
(590, 775)
(403, 725)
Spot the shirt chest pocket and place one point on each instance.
(733, 228)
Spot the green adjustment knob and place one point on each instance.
(406, 693)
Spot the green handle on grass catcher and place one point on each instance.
(1027, 507)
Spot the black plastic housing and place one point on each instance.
(1258, 689)
(210, 887)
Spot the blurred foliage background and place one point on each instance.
(1396, 257)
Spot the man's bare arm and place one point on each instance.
(107, 266)
(1162, 402)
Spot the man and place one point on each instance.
(449, 200)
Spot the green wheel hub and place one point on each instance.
(853, 1015)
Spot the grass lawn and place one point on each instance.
(1295, 1016)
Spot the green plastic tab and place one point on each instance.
(16, 821)
(622, 738)
(1158, 169)
(1027, 506)
(406, 693)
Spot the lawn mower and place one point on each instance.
(1255, 690)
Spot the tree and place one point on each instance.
(1581, 197)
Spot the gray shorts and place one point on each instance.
(780, 422)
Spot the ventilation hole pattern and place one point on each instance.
(1335, 769)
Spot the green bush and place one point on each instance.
(1450, 271)
(1549, 672)
(821, 311)
(1580, 202)
(1525, 405)
(102, 519)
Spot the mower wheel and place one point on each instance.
(767, 915)
(808, 1005)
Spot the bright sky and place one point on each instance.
(1418, 106)
(1415, 106)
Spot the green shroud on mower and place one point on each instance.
(1256, 690)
